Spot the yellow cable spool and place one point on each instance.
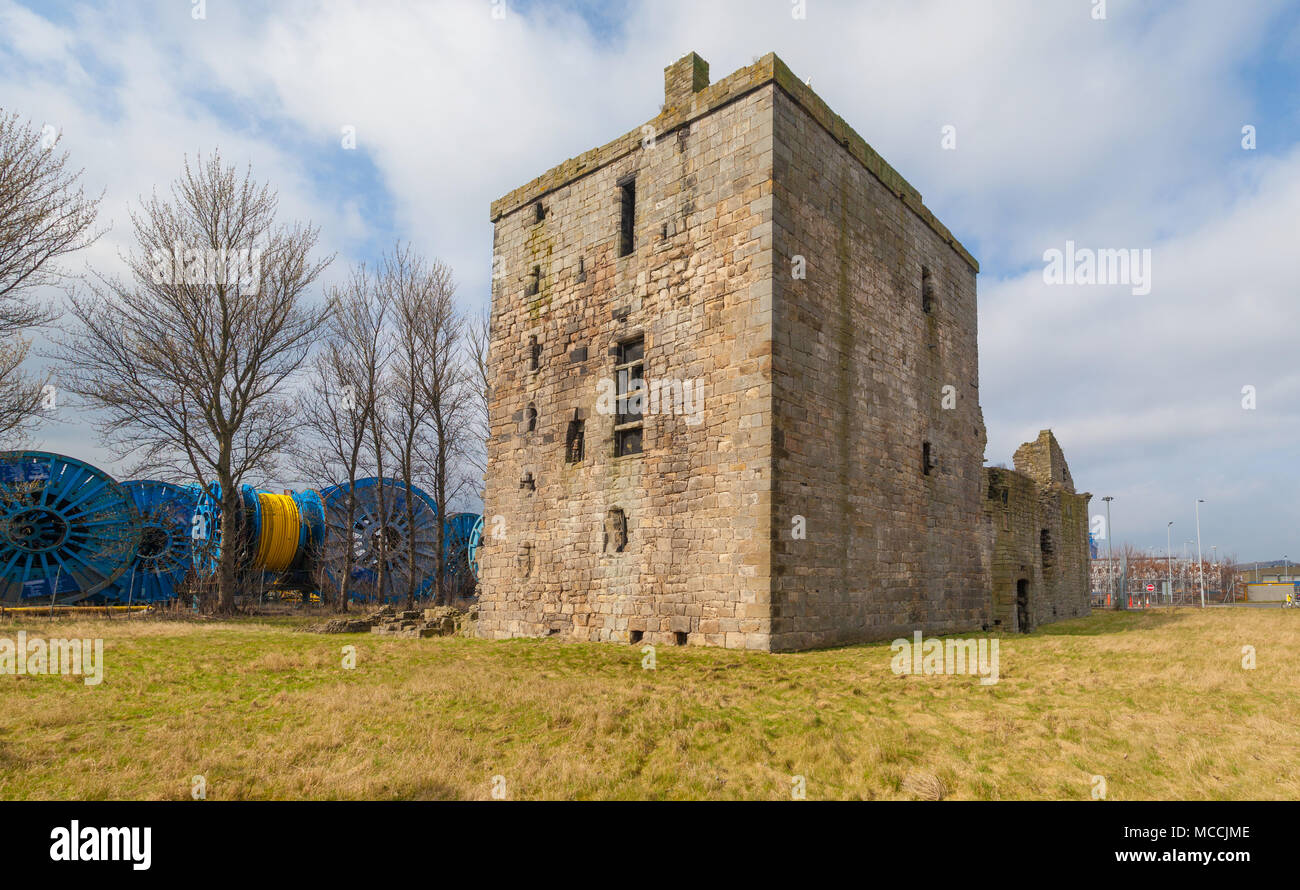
(278, 544)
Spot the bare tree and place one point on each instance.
(446, 390)
(426, 423)
(412, 287)
(338, 410)
(44, 216)
(478, 338)
(189, 358)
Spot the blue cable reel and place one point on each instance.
(67, 529)
(381, 540)
(474, 546)
(265, 531)
(459, 577)
(163, 556)
(205, 531)
(456, 537)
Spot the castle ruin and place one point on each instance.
(735, 397)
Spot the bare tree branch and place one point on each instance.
(188, 360)
(44, 216)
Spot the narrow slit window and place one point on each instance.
(627, 216)
(927, 462)
(927, 291)
(534, 283)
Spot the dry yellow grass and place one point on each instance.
(1157, 703)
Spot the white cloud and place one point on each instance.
(1122, 133)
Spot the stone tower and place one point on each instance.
(734, 387)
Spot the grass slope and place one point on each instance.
(1158, 703)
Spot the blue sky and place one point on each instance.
(1123, 132)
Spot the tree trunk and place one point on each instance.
(231, 548)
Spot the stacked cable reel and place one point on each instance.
(69, 533)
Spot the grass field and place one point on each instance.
(1158, 703)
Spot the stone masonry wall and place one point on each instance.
(1040, 536)
(861, 362)
(801, 510)
(697, 287)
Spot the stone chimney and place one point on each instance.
(683, 79)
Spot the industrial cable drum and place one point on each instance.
(456, 537)
(282, 529)
(474, 546)
(382, 538)
(67, 529)
(275, 526)
(163, 555)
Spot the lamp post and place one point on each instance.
(1199, 563)
(1110, 554)
(1169, 551)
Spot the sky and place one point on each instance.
(1169, 129)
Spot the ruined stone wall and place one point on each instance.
(697, 287)
(1040, 535)
(1012, 509)
(1066, 587)
(860, 363)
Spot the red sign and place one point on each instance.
(1150, 588)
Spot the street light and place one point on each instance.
(1200, 564)
(1110, 554)
(1169, 550)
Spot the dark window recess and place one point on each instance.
(528, 482)
(573, 442)
(539, 212)
(530, 417)
(680, 637)
(534, 283)
(582, 269)
(927, 463)
(534, 354)
(615, 530)
(1045, 542)
(627, 442)
(1004, 495)
(630, 390)
(627, 217)
(635, 635)
(927, 291)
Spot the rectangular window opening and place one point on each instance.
(573, 443)
(630, 392)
